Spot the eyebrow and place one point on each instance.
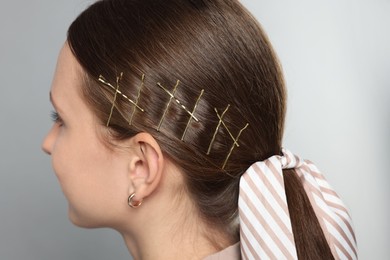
(52, 101)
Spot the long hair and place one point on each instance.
(210, 55)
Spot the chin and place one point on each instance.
(83, 221)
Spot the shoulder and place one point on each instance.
(230, 253)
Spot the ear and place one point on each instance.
(146, 166)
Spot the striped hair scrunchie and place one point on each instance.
(265, 224)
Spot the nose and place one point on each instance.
(47, 144)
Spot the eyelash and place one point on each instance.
(56, 118)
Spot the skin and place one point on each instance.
(97, 181)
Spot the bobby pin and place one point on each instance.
(117, 91)
(233, 145)
(115, 95)
(217, 128)
(193, 111)
(136, 101)
(235, 140)
(172, 96)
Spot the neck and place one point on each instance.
(174, 234)
(172, 246)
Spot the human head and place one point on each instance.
(215, 46)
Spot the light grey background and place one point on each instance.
(336, 58)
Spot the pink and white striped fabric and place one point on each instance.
(265, 225)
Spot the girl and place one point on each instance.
(168, 128)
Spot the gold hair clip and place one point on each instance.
(193, 111)
(235, 140)
(217, 128)
(136, 100)
(172, 97)
(234, 144)
(117, 91)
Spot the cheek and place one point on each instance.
(65, 156)
(75, 153)
(92, 180)
(96, 196)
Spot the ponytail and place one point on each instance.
(309, 238)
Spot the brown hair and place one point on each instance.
(213, 45)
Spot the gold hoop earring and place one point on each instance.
(131, 202)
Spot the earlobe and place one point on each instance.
(146, 166)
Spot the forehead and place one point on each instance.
(67, 75)
(68, 70)
(66, 87)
